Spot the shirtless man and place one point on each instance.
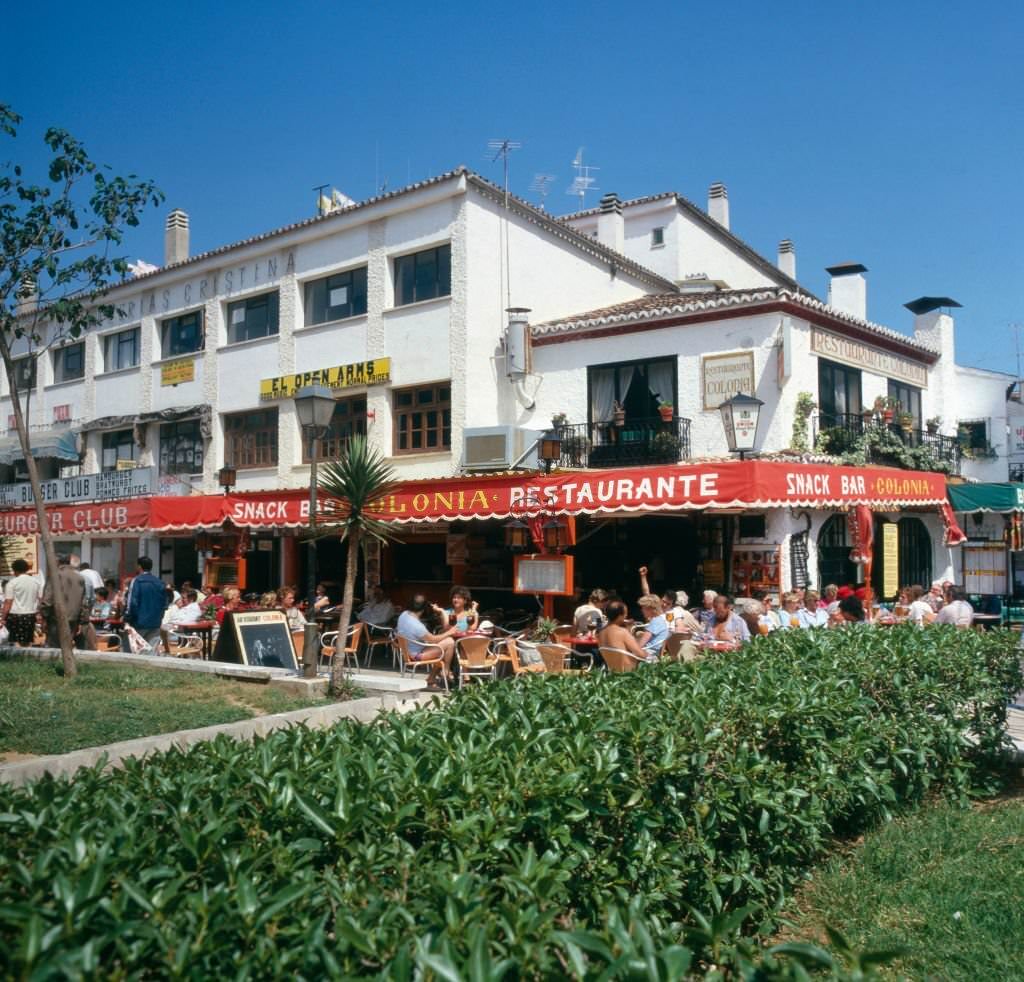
(615, 634)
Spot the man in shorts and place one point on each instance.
(21, 601)
(411, 627)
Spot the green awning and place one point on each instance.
(986, 497)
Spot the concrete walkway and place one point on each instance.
(1015, 726)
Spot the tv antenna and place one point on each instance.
(542, 186)
(503, 149)
(321, 200)
(582, 182)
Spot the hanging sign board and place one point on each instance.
(116, 485)
(890, 560)
(259, 638)
(723, 376)
(178, 371)
(985, 568)
(376, 371)
(834, 347)
(550, 575)
(17, 547)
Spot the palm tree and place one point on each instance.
(357, 479)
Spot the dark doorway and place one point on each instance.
(915, 553)
(263, 564)
(331, 556)
(834, 564)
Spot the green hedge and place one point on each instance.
(535, 828)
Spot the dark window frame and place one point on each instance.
(414, 281)
(250, 439)
(657, 236)
(261, 306)
(620, 396)
(115, 440)
(317, 293)
(976, 433)
(348, 420)
(26, 380)
(173, 331)
(179, 440)
(909, 398)
(60, 360)
(828, 410)
(422, 413)
(114, 342)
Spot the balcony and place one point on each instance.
(860, 439)
(635, 443)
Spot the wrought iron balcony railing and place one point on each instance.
(636, 441)
(885, 443)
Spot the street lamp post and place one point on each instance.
(314, 406)
(740, 416)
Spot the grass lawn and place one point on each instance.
(41, 713)
(947, 884)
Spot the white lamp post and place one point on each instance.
(740, 415)
(314, 406)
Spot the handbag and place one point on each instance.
(137, 644)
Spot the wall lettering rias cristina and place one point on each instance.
(834, 347)
(222, 282)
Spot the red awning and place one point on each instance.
(682, 487)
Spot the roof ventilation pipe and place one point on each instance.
(517, 352)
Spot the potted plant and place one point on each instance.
(666, 409)
(933, 424)
(886, 407)
(618, 413)
(665, 447)
(906, 421)
(558, 420)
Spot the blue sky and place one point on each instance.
(884, 133)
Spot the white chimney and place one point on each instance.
(787, 259)
(176, 238)
(848, 290)
(611, 226)
(27, 300)
(718, 204)
(934, 328)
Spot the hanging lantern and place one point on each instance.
(556, 535)
(517, 535)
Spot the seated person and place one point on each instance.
(851, 611)
(615, 634)
(590, 616)
(320, 601)
(102, 606)
(812, 614)
(462, 614)
(920, 610)
(232, 602)
(958, 611)
(789, 616)
(187, 611)
(656, 629)
(728, 625)
(705, 614)
(411, 627)
(268, 600)
(286, 597)
(377, 610)
(682, 621)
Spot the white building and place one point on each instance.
(399, 303)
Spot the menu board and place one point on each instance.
(985, 568)
(890, 560)
(18, 547)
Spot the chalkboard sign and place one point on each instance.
(260, 638)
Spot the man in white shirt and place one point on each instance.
(959, 612)
(90, 576)
(590, 616)
(378, 609)
(920, 612)
(21, 601)
(188, 612)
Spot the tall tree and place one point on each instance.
(357, 479)
(56, 265)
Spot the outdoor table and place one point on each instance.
(584, 644)
(116, 623)
(203, 630)
(709, 644)
(987, 621)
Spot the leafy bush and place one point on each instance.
(546, 827)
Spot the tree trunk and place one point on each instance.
(351, 564)
(59, 605)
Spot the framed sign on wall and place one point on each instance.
(547, 575)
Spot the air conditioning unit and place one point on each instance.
(495, 448)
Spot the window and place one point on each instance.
(25, 373)
(181, 447)
(909, 399)
(337, 296)
(973, 435)
(657, 237)
(253, 318)
(69, 362)
(638, 386)
(423, 275)
(121, 350)
(250, 439)
(181, 335)
(423, 418)
(838, 393)
(349, 420)
(118, 445)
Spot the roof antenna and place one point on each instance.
(542, 186)
(503, 148)
(322, 201)
(582, 182)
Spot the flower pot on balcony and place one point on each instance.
(619, 416)
(665, 413)
(887, 415)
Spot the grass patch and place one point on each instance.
(946, 883)
(43, 713)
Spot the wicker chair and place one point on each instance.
(476, 660)
(509, 652)
(617, 660)
(431, 654)
(329, 644)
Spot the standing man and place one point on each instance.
(21, 601)
(147, 602)
(72, 588)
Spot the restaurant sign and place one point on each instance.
(178, 371)
(376, 371)
(723, 376)
(866, 356)
(108, 486)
